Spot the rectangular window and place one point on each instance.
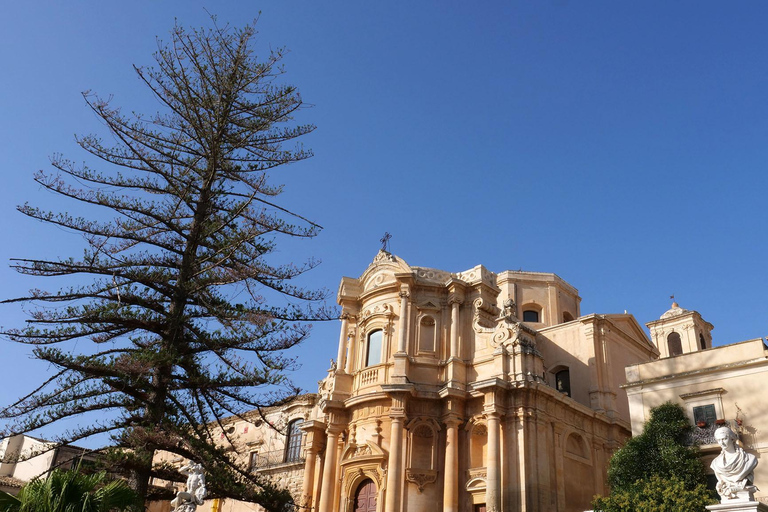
(705, 413)
(254, 462)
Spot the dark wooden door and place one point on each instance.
(365, 497)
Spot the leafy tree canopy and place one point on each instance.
(185, 310)
(657, 470)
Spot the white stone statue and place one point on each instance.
(187, 501)
(734, 468)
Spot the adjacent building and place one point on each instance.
(716, 386)
(23, 458)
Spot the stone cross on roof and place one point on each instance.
(385, 241)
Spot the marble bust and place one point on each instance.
(734, 468)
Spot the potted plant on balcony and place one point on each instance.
(720, 422)
(701, 424)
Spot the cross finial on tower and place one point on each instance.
(385, 241)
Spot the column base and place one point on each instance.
(456, 371)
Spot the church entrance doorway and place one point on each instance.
(480, 507)
(365, 497)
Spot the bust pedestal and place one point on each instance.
(739, 505)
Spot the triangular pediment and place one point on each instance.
(629, 326)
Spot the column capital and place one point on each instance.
(404, 293)
(399, 397)
(334, 430)
(452, 420)
(456, 299)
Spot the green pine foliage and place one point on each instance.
(657, 471)
(178, 312)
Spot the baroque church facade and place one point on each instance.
(470, 391)
(460, 392)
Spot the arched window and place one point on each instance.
(373, 351)
(567, 317)
(674, 344)
(293, 442)
(702, 342)
(530, 315)
(563, 381)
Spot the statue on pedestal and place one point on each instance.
(187, 501)
(734, 468)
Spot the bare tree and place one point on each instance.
(187, 310)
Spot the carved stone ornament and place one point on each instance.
(432, 274)
(515, 335)
(510, 310)
(485, 317)
(384, 256)
(477, 473)
(367, 450)
(421, 477)
(378, 309)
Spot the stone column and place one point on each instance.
(493, 482)
(309, 478)
(451, 481)
(329, 470)
(395, 470)
(342, 344)
(403, 322)
(455, 303)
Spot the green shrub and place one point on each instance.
(656, 471)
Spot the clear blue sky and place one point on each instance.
(621, 145)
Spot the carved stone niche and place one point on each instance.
(420, 477)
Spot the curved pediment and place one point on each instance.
(366, 451)
(382, 270)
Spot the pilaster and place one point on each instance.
(456, 368)
(400, 371)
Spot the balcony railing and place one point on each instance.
(371, 376)
(706, 434)
(265, 460)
